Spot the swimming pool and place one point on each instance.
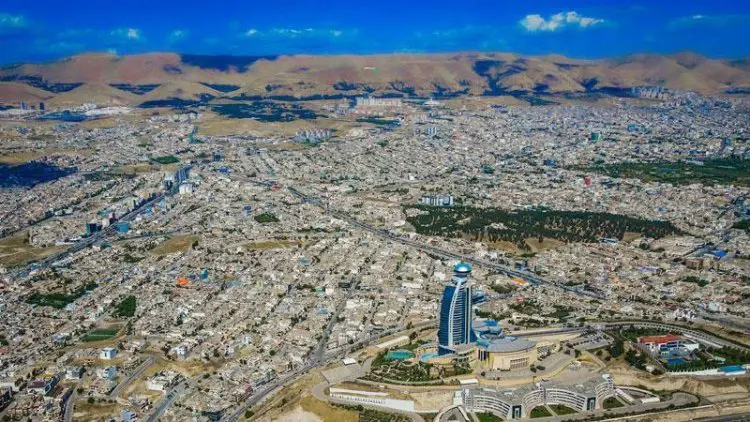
(399, 355)
(675, 361)
(427, 356)
(732, 368)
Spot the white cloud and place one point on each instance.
(287, 31)
(131, 34)
(177, 35)
(709, 20)
(537, 23)
(8, 21)
(297, 33)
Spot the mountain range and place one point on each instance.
(151, 79)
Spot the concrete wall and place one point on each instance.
(403, 405)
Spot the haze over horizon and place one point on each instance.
(35, 31)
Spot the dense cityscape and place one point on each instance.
(340, 211)
(159, 273)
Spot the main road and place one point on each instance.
(317, 360)
(385, 234)
(137, 373)
(96, 237)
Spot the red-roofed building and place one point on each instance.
(666, 342)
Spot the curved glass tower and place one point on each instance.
(455, 311)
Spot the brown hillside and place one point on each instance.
(185, 90)
(14, 92)
(97, 93)
(416, 74)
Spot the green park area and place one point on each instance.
(126, 308)
(488, 417)
(100, 334)
(166, 159)
(539, 412)
(518, 226)
(723, 171)
(612, 403)
(266, 218)
(59, 300)
(561, 409)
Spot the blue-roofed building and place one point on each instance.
(462, 341)
(487, 328)
(455, 311)
(122, 227)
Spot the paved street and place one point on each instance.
(132, 377)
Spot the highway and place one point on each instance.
(164, 403)
(137, 373)
(94, 238)
(69, 405)
(385, 234)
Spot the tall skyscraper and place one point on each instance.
(455, 311)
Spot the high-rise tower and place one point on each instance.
(455, 311)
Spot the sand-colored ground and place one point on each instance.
(15, 251)
(95, 412)
(631, 236)
(298, 415)
(546, 243)
(15, 158)
(431, 400)
(272, 244)
(174, 244)
(284, 404)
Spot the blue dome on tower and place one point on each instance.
(462, 267)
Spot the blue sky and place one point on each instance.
(41, 30)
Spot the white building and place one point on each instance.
(108, 353)
(107, 373)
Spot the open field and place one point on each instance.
(175, 244)
(135, 169)
(215, 125)
(327, 412)
(272, 244)
(545, 244)
(94, 412)
(15, 251)
(15, 158)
